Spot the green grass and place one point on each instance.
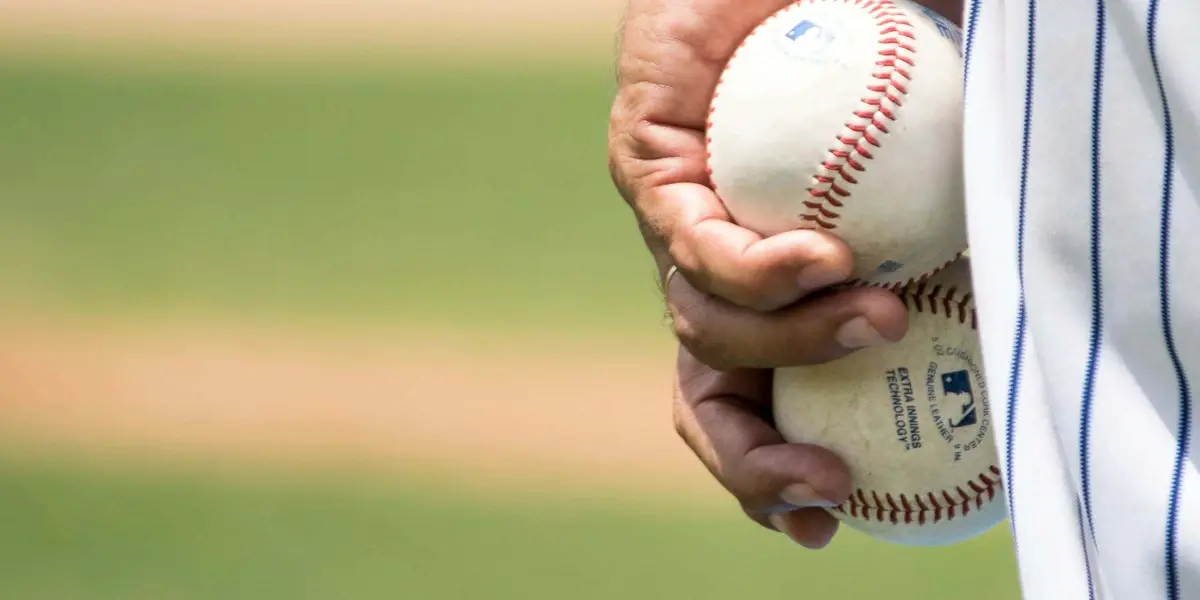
(474, 195)
(104, 533)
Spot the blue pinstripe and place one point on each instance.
(1087, 561)
(1084, 506)
(1097, 321)
(972, 19)
(1183, 433)
(1018, 353)
(1087, 557)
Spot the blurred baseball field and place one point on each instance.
(335, 300)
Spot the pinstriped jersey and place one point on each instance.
(1082, 141)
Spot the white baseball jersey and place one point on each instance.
(1083, 168)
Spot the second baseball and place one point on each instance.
(911, 420)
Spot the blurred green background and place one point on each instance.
(448, 194)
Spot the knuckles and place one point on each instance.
(694, 334)
(680, 421)
(697, 326)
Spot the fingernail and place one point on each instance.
(858, 333)
(802, 495)
(818, 276)
(780, 523)
(817, 543)
(785, 525)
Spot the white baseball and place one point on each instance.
(910, 419)
(845, 115)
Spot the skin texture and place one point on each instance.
(740, 304)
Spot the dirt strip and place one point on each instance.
(318, 26)
(579, 409)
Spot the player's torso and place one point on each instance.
(1081, 188)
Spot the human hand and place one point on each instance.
(739, 300)
(743, 304)
(724, 417)
(740, 303)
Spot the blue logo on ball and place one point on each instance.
(958, 383)
(810, 36)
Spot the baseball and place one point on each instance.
(910, 419)
(845, 115)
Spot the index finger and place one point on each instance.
(722, 258)
(687, 221)
(669, 68)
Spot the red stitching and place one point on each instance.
(898, 287)
(922, 296)
(895, 30)
(924, 508)
(890, 83)
(894, 34)
(917, 294)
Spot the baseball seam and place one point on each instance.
(898, 286)
(828, 194)
(929, 507)
(832, 186)
(925, 508)
(937, 299)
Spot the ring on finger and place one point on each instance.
(671, 272)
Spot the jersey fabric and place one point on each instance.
(1082, 141)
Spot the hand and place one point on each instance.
(724, 418)
(741, 303)
(739, 300)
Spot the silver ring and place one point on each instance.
(670, 274)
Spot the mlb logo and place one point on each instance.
(810, 36)
(958, 383)
(889, 266)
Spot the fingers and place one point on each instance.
(822, 328)
(763, 471)
(661, 173)
(683, 46)
(812, 528)
(683, 217)
(724, 418)
(724, 259)
(672, 55)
